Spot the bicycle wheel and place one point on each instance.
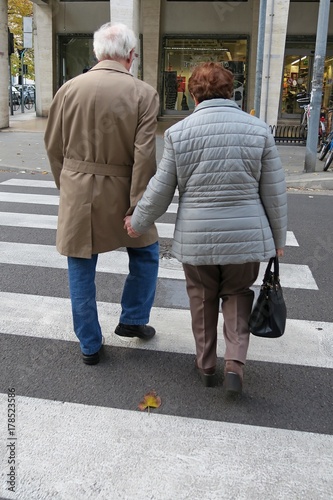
(28, 102)
(323, 151)
(328, 161)
(16, 105)
(303, 132)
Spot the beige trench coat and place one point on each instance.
(100, 140)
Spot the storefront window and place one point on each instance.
(298, 74)
(328, 83)
(295, 81)
(180, 57)
(76, 55)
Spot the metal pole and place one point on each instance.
(260, 56)
(10, 87)
(317, 86)
(22, 103)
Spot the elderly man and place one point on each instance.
(100, 140)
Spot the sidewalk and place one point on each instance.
(22, 147)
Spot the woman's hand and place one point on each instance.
(128, 227)
(280, 252)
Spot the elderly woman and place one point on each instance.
(232, 214)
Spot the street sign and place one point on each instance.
(27, 32)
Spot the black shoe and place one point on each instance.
(90, 359)
(143, 332)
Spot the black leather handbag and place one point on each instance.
(269, 314)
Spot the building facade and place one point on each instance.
(176, 35)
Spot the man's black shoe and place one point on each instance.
(144, 332)
(90, 359)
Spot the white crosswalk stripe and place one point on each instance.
(292, 275)
(186, 458)
(50, 222)
(50, 317)
(112, 452)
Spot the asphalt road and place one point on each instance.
(309, 220)
(286, 394)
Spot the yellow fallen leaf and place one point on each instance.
(150, 400)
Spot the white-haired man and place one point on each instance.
(100, 140)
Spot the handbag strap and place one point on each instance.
(272, 260)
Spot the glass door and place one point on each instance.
(76, 56)
(296, 80)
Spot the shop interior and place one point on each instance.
(180, 57)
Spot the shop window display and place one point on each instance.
(297, 78)
(180, 57)
(295, 82)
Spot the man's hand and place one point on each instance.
(280, 252)
(128, 227)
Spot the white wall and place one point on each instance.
(202, 17)
(81, 17)
(303, 18)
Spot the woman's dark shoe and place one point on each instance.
(208, 376)
(233, 377)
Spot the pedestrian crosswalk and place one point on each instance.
(79, 432)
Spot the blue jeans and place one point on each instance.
(137, 298)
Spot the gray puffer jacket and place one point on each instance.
(232, 192)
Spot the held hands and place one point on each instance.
(128, 227)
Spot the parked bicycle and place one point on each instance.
(28, 95)
(16, 103)
(303, 100)
(29, 100)
(327, 146)
(15, 98)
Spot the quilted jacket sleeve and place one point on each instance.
(272, 191)
(159, 192)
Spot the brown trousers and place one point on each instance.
(206, 285)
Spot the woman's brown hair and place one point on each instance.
(210, 81)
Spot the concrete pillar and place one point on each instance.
(4, 69)
(127, 12)
(43, 50)
(251, 76)
(275, 41)
(150, 26)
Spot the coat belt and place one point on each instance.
(86, 167)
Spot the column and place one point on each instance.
(253, 56)
(275, 42)
(44, 57)
(4, 70)
(150, 15)
(127, 12)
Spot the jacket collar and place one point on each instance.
(111, 65)
(216, 103)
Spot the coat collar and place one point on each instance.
(111, 65)
(216, 103)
